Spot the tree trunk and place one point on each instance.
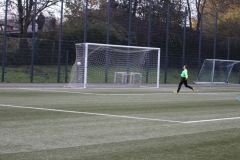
(189, 14)
(24, 20)
(200, 8)
(20, 17)
(134, 8)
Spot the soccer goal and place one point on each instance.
(218, 71)
(115, 65)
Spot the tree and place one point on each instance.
(229, 26)
(228, 17)
(195, 7)
(22, 11)
(189, 11)
(200, 5)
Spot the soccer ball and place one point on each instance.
(78, 63)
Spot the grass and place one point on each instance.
(49, 73)
(57, 123)
(41, 74)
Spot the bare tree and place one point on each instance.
(22, 10)
(189, 13)
(195, 7)
(200, 5)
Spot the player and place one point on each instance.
(184, 78)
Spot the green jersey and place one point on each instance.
(184, 73)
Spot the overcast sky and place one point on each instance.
(55, 11)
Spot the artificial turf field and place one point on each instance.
(58, 123)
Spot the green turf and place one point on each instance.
(111, 124)
(49, 73)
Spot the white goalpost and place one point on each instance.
(105, 65)
(218, 71)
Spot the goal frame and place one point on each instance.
(86, 45)
(213, 71)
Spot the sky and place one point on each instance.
(54, 11)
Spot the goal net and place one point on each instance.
(115, 65)
(218, 71)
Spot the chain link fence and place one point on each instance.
(43, 59)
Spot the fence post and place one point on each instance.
(85, 22)
(200, 43)
(167, 35)
(215, 36)
(129, 33)
(130, 22)
(184, 36)
(66, 68)
(149, 22)
(149, 39)
(228, 56)
(60, 44)
(108, 24)
(4, 42)
(108, 34)
(33, 39)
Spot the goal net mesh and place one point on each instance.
(115, 65)
(219, 72)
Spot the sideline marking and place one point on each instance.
(212, 120)
(119, 116)
(89, 113)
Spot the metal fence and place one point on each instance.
(47, 56)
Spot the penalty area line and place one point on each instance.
(90, 113)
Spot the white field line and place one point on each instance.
(113, 94)
(87, 93)
(89, 113)
(119, 116)
(49, 90)
(212, 120)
